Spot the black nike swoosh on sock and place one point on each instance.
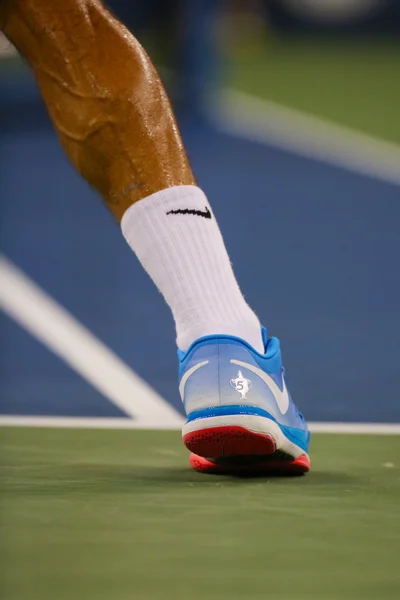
(189, 211)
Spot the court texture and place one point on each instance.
(97, 500)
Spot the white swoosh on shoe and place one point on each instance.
(188, 373)
(281, 396)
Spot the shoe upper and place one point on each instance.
(225, 372)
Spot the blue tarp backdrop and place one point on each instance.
(315, 248)
(364, 16)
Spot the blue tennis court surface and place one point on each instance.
(316, 250)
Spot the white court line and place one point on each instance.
(355, 428)
(50, 323)
(103, 423)
(275, 125)
(84, 422)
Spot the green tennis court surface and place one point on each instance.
(351, 82)
(119, 515)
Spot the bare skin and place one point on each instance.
(104, 96)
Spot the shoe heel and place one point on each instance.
(216, 437)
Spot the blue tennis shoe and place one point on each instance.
(240, 416)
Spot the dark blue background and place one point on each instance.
(315, 248)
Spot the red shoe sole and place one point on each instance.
(273, 465)
(218, 442)
(237, 450)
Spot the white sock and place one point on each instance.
(177, 239)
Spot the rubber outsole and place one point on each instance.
(228, 440)
(237, 450)
(273, 465)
